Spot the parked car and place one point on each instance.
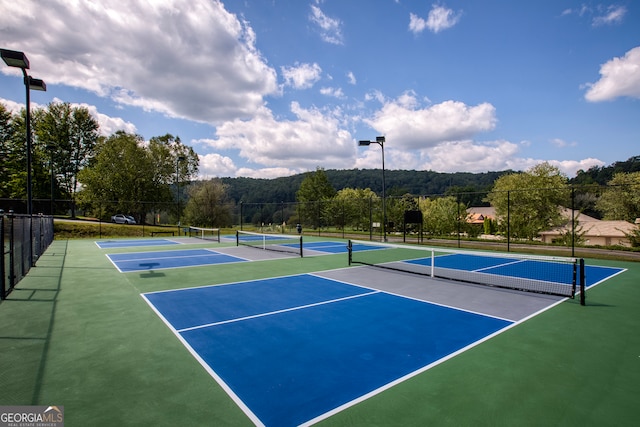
(123, 219)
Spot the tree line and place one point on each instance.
(102, 175)
(525, 203)
(155, 180)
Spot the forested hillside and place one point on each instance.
(399, 182)
(602, 175)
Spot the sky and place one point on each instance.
(271, 88)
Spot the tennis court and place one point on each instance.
(132, 243)
(293, 350)
(308, 340)
(162, 260)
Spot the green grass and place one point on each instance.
(99, 230)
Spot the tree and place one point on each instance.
(13, 168)
(7, 151)
(66, 136)
(530, 201)
(207, 205)
(175, 165)
(126, 173)
(120, 177)
(351, 207)
(396, 207)
(314, 190)
(621, 199)
(442, 215)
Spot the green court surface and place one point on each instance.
(77, 333)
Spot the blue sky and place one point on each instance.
(268, 88)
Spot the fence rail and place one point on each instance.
(24, 240)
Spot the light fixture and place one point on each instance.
(380, 140)
(18, 59)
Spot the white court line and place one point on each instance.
(255, 316)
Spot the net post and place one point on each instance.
(301, 253)
(583, 290)
(218, 235)
(237, 238)
(433, 263)
(574, 280)
(350, 250)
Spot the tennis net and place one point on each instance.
(272, 242)
(541, 274)
(205, 233)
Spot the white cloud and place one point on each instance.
(330, 28)
(471, 156)
(600, 15)
(476, 157)
(314, 138)
(351, 78)
(108, 125)
(571, 167)
(185, 58)
(561, 143)
(619, 77)
(215, 165)
(440, 18)
(335, 92)
(266, 173)
(612, 15)
(411, 127)
(14, 107)
(301, 76)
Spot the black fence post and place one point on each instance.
(3, 287)
(583, 287)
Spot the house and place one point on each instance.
(593, 232)
(479, 214)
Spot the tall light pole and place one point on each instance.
(18, 59)
(178, 160)
(380, 141)
(51, 149)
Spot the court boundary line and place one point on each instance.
(239, 281)
(252, 416)
(173, 242)
(247, 411)
(423, 369)
(217, 378)
(213, 252)
(284, 310)
(316, 274)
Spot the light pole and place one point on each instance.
(51, 149)
(380, 141)
(178, 160)
(19, 60)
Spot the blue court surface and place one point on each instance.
(293, 350)
(336, 247)
(107, 244)
(519, 268)
(160, 260)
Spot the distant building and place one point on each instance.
(593, 232)
(479, 214)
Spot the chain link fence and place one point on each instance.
(568, 216)
(24, 240)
